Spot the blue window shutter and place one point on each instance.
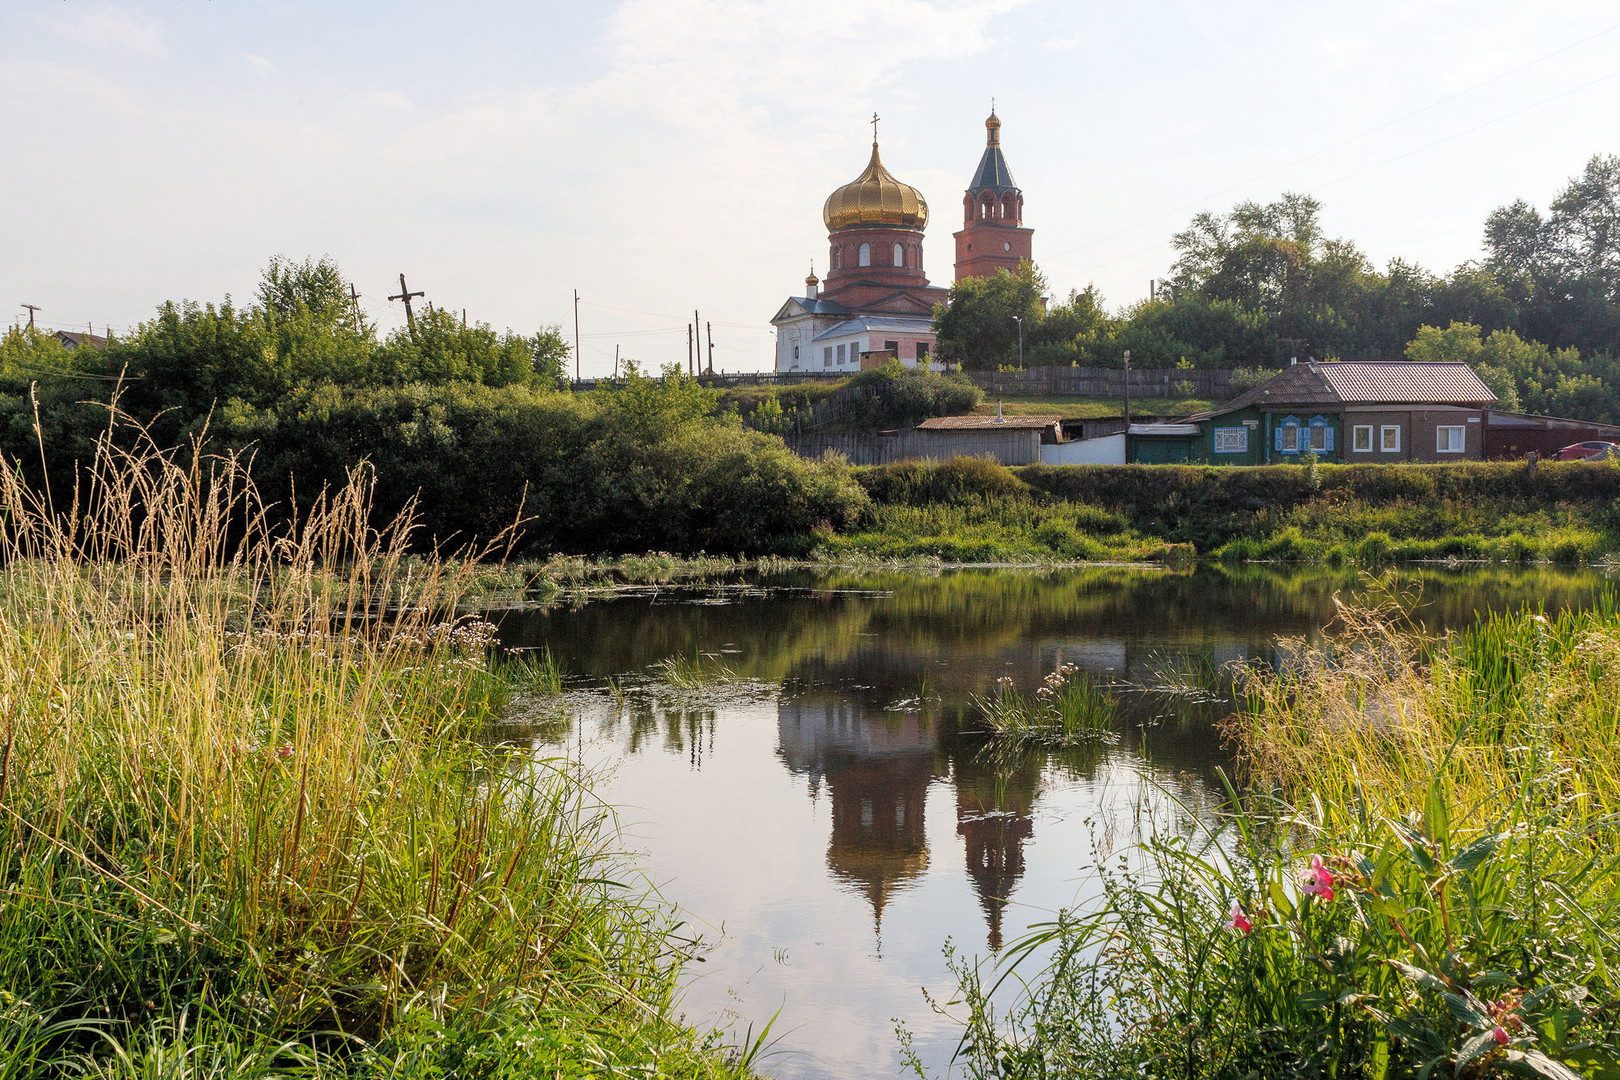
(1278, 433)
(1329, 438)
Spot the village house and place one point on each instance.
(1340, 410)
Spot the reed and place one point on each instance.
(244, 829)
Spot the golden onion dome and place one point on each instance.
(875, 198)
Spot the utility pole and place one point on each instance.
(689, 347)
(615, 362)
(1153, 289)
(697, 333)
(709, 329)
(31, 309)
(1127, 402)
(1019, 319)
(576, 335)
(405, 294)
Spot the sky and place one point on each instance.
(662, 156)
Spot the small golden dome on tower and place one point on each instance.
(992, 129)
(875, 198)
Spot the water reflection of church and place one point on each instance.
(877, 766)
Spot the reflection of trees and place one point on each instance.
(680, 728)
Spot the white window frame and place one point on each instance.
(1231, 440)
(864, 256)
(1384, 432)
(826, 356)
(899, 255)
(1462, 439)
(1356, 434)
(841, 353)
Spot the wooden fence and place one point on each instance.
(1017, 447)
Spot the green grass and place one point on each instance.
(995, 530)
(1463, 796)
(248, 826)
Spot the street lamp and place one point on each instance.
(1019, 319)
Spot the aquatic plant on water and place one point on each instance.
(1065, 708)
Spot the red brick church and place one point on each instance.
(876, 296)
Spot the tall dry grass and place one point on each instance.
(243, 824)
(1372, 713)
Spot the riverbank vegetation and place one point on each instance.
(250, 824)
(1418, 877)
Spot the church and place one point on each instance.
(876, 299)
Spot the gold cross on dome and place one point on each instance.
(874, 126)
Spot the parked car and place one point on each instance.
(1588, 450)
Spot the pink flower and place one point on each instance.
(1319, 879)
(1499, 1033)
(284, 751)
(1239, 921)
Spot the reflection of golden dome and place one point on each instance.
(875, 198)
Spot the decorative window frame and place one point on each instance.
(1282, 438)
(1237, 439)
(1319, 424)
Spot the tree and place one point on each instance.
(550, 354)
(977, 326)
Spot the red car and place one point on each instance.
(1588, 451)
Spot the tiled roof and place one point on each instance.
(1363, 382)
(974, 422)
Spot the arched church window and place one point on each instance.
(866, 255)
(837, 258)
(899, 255)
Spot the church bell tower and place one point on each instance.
(993, 236)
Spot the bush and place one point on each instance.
(960, 479)
(896, 396)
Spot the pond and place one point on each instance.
(824, 813)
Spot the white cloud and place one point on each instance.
(389, 99)
(263, 66)
(110, 29)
